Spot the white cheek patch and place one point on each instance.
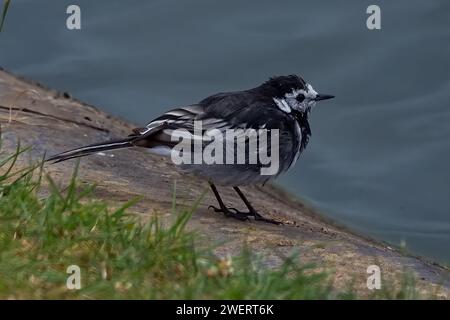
(293, 94)
(290, 99)
(311, 103)
(283, 105)
(312, 94)
(309, 93)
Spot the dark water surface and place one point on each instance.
(378, 160)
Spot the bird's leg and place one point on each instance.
(228, 212)
(252, 210)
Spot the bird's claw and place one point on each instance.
(231, 212)
(243, 216)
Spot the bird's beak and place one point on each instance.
(323, 97)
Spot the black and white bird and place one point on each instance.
(282, 102)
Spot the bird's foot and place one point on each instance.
(241, 215)
(231, 212)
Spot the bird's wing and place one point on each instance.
(160, 131)
(223, 113)
(253, 112)
(244, 110)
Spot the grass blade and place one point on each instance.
(5, 10)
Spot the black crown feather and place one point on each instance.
(278, 86)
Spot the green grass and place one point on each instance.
(3, 14)
(122, 257)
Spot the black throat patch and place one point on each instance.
(302, 119)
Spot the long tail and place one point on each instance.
(92, 148)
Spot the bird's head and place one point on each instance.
(292, 93)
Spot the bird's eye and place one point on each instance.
(300, 98)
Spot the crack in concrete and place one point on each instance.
(26, 110)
